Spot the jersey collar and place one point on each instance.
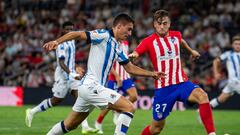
(111, 33)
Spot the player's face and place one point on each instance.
(236, 45)
(67, 29)
(162, 25)
(125, 31)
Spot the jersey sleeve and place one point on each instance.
(95, 37)
(223, 57)
(61, 51)
(122, 57)
(142, 47)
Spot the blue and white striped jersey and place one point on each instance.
(232, 60)
(103, 52)
(65, 51)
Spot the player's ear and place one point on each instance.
(118, 26)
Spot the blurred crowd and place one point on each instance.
(25, 25)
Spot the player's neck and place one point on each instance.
(162, 35)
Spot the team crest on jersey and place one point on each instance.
(169, 52)
(173, 40)
(159, 115)
(113, 96)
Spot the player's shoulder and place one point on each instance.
(100, 33)
(175, 33)
(229, 52)
(149, 38)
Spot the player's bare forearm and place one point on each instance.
(194, 53)
(63, 66)
(135, 70)
(216, 65)
(186, 46)
(71, 36)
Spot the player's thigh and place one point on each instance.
(127, 85)
(60, 89)
(101, 96)
(162, 107)
(198, 95)
(132, 92)
(191, 93)
(122, 104)
(82, 104)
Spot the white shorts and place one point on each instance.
(62, 87)
(92, 94)
(232, 86)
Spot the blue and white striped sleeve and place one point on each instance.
(61, 51)
(122, 57)
(96, 37)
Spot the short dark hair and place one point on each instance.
(122, 17)
(160, 14)
(67, 23)
(237, 37)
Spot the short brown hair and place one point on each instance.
(160, 14)
(122, 18)
(237, 37)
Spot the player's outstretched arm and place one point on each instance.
(135, 70)
(217, 68)
(194, 53)
(69, 36)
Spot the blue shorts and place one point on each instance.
(126, 84)
(165, 98)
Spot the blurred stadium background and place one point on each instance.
(27, 71)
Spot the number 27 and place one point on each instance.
(158, 106)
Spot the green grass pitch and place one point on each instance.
(12, 122)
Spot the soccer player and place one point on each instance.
(65, 79)
(119, 80)
(232, 61)
(104, 51)
(163, 48)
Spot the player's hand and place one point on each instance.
(133, 56)
(75, 76)
(80, 71)
(195, 54)
(157, 75)
(50, 45)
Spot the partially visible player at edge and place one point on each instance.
(163, 48)
(119, 80)
(65, 79)
(232, 61)
(104, 51)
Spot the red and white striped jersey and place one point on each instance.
(164, 53)
(119, 68)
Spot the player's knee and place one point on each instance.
(157, 130)
(203, 97)
(129, 108)
(133, 98)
